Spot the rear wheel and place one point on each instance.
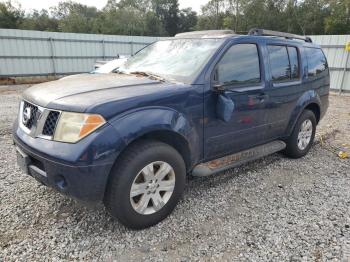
(146, 184)
(302, 137)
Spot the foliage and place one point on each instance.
(10, 16)
(165, 18)
(40, 20)
(74, 17)
(301, 17)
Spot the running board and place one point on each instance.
(237, 159)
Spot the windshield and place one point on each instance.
(179, 59)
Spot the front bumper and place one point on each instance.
(78, 170)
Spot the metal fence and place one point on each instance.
(338, 59)
(34, 53)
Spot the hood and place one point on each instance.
(85, 91)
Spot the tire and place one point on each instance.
(133, 171)
(299, 146)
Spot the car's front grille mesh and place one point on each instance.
(50, 123)
(38, 121)
(34, 114)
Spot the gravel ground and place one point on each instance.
(273, 209)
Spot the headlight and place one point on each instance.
(72, 127)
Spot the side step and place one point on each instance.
(237, 159)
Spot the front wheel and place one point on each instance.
(146, 184)
(302, 137)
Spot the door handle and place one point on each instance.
(261, 97)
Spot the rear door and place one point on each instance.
(284, 86)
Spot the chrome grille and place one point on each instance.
(50, 123)
(38, 121)
(32, 118)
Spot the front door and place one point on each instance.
(241, 75)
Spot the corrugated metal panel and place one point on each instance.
(25, 52)
(338, 58)
(41, 53)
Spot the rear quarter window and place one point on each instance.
(317, 62)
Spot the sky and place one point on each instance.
(40, 4)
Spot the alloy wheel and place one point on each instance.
(305, 134)
(152, 188)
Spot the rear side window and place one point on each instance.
(280, 68)
(240, 65)
(284, 63)
(317, 62)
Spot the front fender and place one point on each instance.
(134, 124)
(306, 99)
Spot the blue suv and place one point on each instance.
(195, 104)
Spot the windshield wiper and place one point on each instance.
(147, 74)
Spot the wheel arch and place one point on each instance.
(162, 124)
(309, 100)
(169, 137)
(174, 140)
(315, 108)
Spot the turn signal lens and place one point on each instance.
(72, 127)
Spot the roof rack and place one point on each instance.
(264, 32)
(207, 33)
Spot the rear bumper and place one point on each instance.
(85, 178)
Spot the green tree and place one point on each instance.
(39, 20)
(213, 15)
(130, 17)
(75, 17)
(153, 25)
(168, 12)
(142, 5)
(164, 18)
(264, 14)
(187, 20)
(311, 15)
(338, 22)
(10, 16)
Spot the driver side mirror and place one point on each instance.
(216, 84)
(218, 88)
(224, 105)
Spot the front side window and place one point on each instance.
(317, 62)
(240, 65)
(284, 62)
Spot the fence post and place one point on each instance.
(131, 48)
(103, 49)
(52, 50)
(344, 73)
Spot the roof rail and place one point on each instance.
(264, 32)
